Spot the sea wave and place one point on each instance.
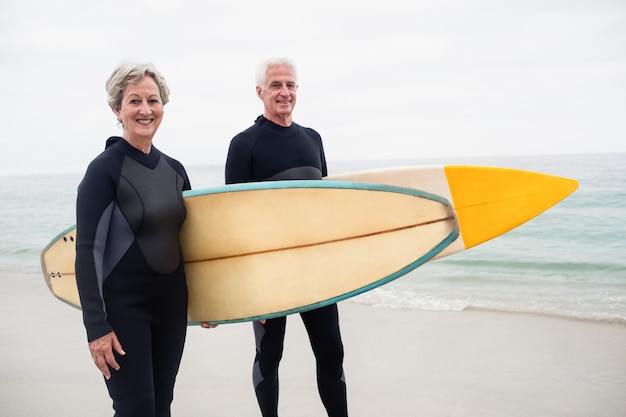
(542, 266)
(609, 307)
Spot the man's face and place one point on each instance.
(278, 93)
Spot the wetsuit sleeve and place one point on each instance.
(323, 158)
(238, 163)
(95, 195)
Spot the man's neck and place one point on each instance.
(280, 120)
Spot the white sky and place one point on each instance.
(379, 80)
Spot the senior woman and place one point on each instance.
(129, 265)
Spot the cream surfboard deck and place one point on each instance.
(488, 201)
(262, 250)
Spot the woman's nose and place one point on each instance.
(145, 108)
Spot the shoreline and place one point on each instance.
(398, 362)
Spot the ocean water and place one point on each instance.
(569, 261)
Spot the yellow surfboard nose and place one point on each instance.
(491, 201)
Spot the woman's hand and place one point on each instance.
(102, 353)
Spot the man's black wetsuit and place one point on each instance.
(130, 273)
(264, 152)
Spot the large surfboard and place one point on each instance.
(488, 201)
(261, 250)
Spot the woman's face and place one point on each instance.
(141, 110)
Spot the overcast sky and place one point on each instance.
(378, 79)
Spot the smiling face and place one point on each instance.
(278, 94)
(140, 112)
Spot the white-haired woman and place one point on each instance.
(129, 264)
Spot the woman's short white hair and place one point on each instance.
(133, 73)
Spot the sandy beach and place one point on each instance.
(398, 363)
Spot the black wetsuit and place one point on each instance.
(263, 152)
(130, 272)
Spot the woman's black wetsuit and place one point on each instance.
(264, 152)
(130, 273)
